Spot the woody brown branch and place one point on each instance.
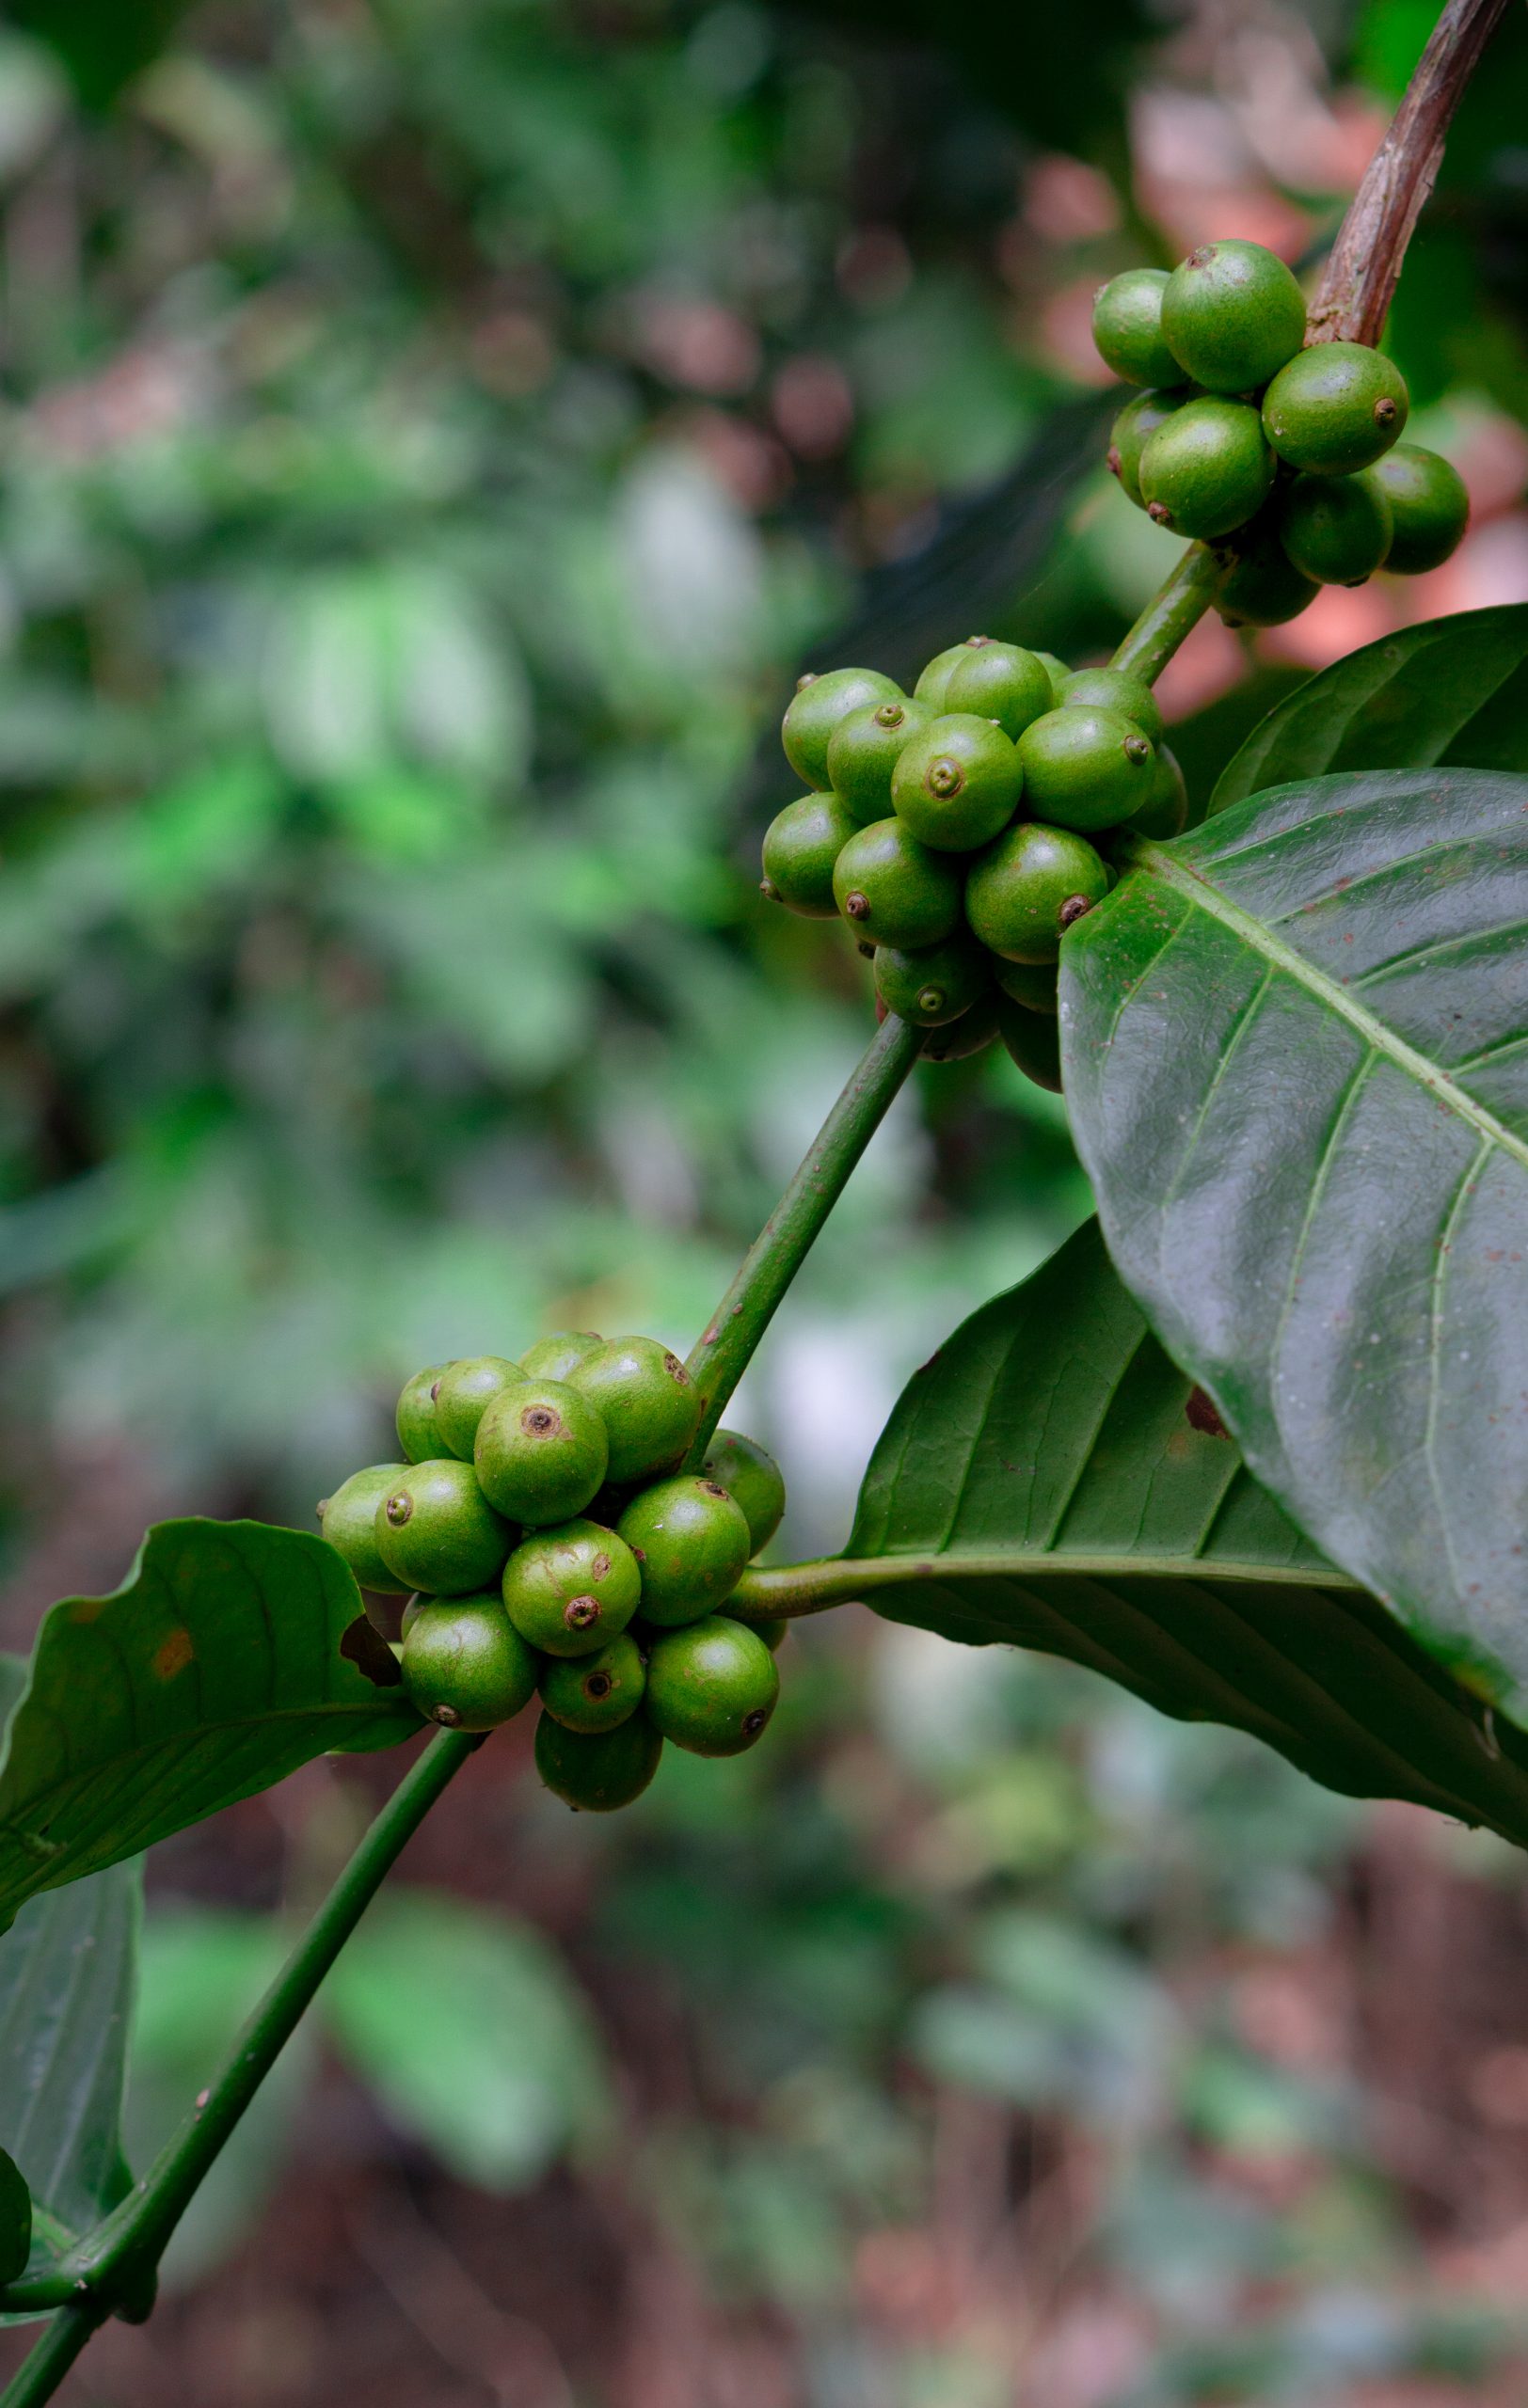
(1365, 260)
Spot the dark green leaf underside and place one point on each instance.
(214, 1672)
(1453, 693)
(1296, 1057)
(1043, 1476)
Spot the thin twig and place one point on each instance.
(1364, 264)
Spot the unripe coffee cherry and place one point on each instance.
(1336, 407)
(1430, 508)
(819, 705)
(957, 782)
(1127, 327)
(960, 1039)
(419, 1434)
(569, 1590)
(751, 1479)
(936, 675)
(1233, 314)
(1132, 431)
(1027, 890)
(1336, 529)
(541, 1453)
(1165, 812)
(934, 985)
(464, 1665)
(1085, 766)
(1058, 672)
(553, 1357)
(435, 1530)
(801, 845)
(711, 1687)
(1033, 984)
(648, 1403)
(1000, 681)
(595, 1772)
(1207, 469)
(348, 1521)
(464, 1387)
(1112, 690)
(864, 752)
(691, 1540)
(1263, 588)
(1033, 1042)
(894, 890)
(596, 1692)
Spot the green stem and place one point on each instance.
(1173, 611)
(785, 1592)
(719, 1361)
(115, 2264)
(40, 2375)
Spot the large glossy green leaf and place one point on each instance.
(1039, 1483)
(1453, 693)
(231, 1654)
(1296, 1048)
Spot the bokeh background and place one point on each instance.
(432, 435)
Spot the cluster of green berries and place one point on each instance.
(955, 829)
(1288, 455)
(548, 1544)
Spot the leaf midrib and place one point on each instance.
(1199, 890)
(841, 1577)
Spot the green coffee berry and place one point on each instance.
(935, 983)
(598, 1771)
(596, 1692)
(465, 1664)
(957, 784)
(541, 1453)
(1058, 672)
(464, 1387)
(435, 1530)
(1232, 313)
(568, 1591)
(1000, 681)
(348, 1521)
(711, 1687)
(936, 676)
(819, 705)
(801, 845)
(15, 2219)
(1208, 468)
(648, 1401)
(864, 752)
(960, 1039)
(553, 1357)
(751, 1479)
(1336, 407)
(1114, 691)
(1428, 504)
(1025, 890)
(894, 890)
(418, 1434)
(1132, 431)
(691, 1540)
(1085, 766)
(1336, 529)
(1034, 1042)
(1263, 588)
(1127, 327)
(1033, 984)
(1165, 812)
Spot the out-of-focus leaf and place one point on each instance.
(216, 1669)
(471, 2035)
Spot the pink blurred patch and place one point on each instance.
(1490, 566)
(1066, 201)
(1340, 619)
(813, 406)
(1206, 665)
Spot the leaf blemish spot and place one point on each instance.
(173, 1655)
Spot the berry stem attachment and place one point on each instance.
(720, 1358)
(116, 2264)
(1172, 613)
